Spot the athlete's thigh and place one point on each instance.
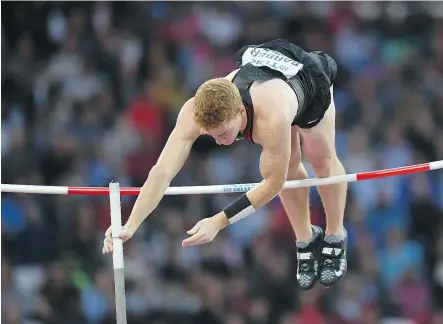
(295, 147)
(319, 141)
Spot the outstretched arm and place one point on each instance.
(274, 163)
(171, 160)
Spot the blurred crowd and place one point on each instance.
(90, 92)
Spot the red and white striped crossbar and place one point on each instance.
(229, 188)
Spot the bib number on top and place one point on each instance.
(271, 59)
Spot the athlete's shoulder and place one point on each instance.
(185, 119)
(187, 109)
(230, 76)
(272, 101)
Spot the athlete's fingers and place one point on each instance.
(108, 232)
(193, 239)
(109, 241)
(195, 229)
(105, 247)
(201, 240)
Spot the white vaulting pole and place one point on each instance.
(117, 255)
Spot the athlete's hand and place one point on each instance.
(205, 230)
(108, 247)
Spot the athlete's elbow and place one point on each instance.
(277, 183)
(159, 176)
(280, 184)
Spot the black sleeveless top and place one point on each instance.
(244, 79)
(254, 66)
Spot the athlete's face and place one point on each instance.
(226, 133)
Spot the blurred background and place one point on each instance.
(90, 92)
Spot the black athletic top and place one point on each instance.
(301, 70)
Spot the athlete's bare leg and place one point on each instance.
(296, 201)
(319, 150)
(296, 204)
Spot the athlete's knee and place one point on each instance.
(296, 171)
(327, 166)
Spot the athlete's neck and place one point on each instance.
(244, 120)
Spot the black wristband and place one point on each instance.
(239, 209)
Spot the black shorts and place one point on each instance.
(311, 85)
(323, 70)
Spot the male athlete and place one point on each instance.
(277, 94)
